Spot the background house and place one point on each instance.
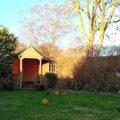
(29, 66)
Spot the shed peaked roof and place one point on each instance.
(32, 52)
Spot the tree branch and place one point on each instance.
(88, 13)
(95, 5)
(111, 14)
(81, 24)
(116, 21)
(102, 24)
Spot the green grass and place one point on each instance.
(26, 105)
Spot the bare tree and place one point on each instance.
(97, 15)
(42, 25)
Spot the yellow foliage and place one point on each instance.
(66, 62)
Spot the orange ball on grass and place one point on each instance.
(45, 102)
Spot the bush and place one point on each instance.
(97, 74)
(67, 83)
(8, 44)
(52, 79)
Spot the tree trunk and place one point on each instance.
(90, 45)
(90, 51)
(100, 43)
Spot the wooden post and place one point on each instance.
(20, 72)
(40, 70)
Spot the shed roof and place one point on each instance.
(32, 52)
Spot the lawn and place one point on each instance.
(26, 105)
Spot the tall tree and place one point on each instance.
(7, 48)
(97, 15)
(42, 26)
(20, 46)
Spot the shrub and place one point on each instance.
(67, 83)
(52, 79)
(8, 44)
(97, 74)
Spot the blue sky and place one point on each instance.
(10, 12)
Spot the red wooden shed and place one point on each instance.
(30, 66)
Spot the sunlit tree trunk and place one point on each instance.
(96, 21)
(104, 25)
(90, 45)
